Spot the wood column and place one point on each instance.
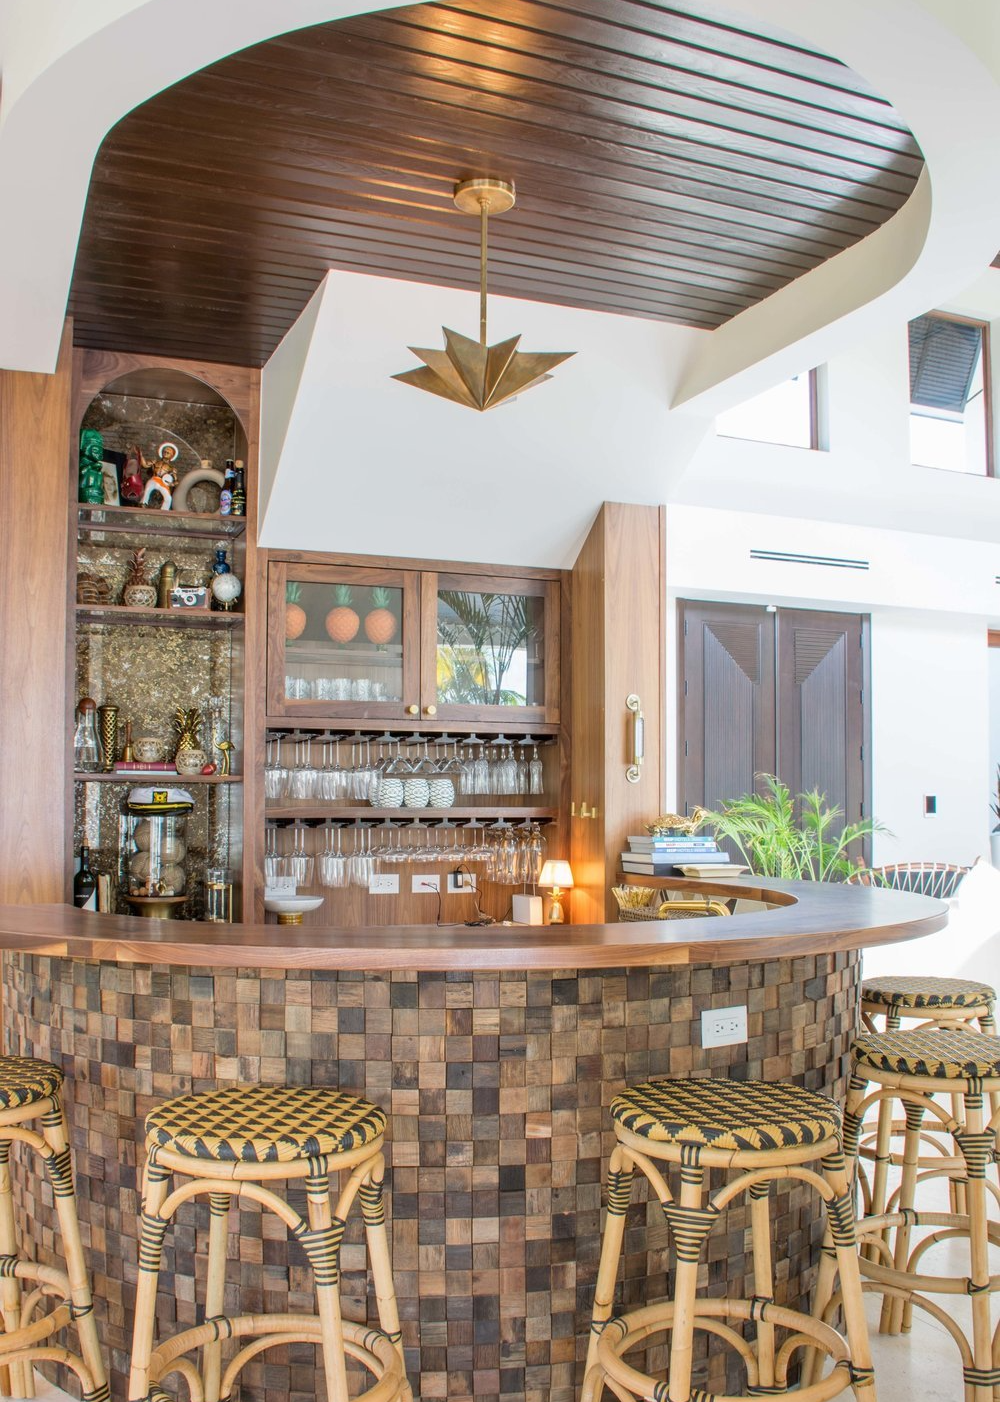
(34, 552)
(618, 589)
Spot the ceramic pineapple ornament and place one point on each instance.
(295, 614)
(138, 592)
(189, 757)
(342, 623)
(380, 622)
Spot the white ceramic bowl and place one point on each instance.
(292, 905)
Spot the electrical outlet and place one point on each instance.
(430, 884)
(459, 881)
(383, 885)
(722, 1027)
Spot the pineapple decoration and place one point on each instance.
(380, 622)
(138, 592)
(342, 623)
(189, 757)
(295, 614)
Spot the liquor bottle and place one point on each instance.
(239, 491)
(226, 495)
(85, 884)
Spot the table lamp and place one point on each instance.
(558, 877)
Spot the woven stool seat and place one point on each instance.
(723, 1114)
(264, 1124)
(926, 993)
(24, 1081)
(945, 1056)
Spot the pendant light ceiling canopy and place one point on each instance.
(470, 372)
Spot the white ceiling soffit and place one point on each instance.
(70, 72)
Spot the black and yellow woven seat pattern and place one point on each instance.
(723, 1114)
(926, 993)
(24, 1081)
(945, 1056)
(264, 1124)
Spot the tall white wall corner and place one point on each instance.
(280, 385)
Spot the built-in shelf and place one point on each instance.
(139, 520)
(144, 779)
(157, 618)
(338, 813)
(344, 728)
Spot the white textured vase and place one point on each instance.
(416, 793)
(442, 793)
(390, 794)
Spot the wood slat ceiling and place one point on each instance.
(668, 165)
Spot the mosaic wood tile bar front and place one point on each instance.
(497, 1085)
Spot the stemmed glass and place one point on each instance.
(275, 773)
(272, 861)
(300, 864)
(361, 863)
(536, 773)
(332, 862)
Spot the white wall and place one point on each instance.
(994, 704)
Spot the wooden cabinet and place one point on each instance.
(353, 641)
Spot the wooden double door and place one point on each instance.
(777, 692)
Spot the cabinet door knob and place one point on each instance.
(431, 710)
(413, 710)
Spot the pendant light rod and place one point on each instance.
(484, 215)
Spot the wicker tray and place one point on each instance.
(674, 910)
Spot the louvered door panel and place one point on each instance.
(727, 705)
(820, 706)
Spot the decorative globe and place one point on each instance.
(226, 589)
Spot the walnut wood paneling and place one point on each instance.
(618, 599)
(34, 548)
(668, 164)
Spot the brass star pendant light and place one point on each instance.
(471, 372)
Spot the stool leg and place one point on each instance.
(763, 1277)
(215, 1290)
(59, 1165)
(372, 1198)
(892, 1306)
(880, 1176)
(620, 1174)
(152, 1230)
(976, 1143)
(841, 1226)
(17, 1380)
(690, 1223)
(322, 1246)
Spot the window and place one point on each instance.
(950, 420)
(786, 414)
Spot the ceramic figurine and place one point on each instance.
(162, 482)
(131, 483)
(91, 467)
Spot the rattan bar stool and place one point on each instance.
(916, 1067)
(927, 1004)
(232, 1144)
(31, 1113)
(766, 1132)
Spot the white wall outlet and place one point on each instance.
(459, 881)
(383, 885)
(430, 884)
(722, 1027)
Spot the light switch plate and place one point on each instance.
(383, 885)
(459, 881)
(723, 1027)
(426, 885)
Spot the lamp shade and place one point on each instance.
(556, 874)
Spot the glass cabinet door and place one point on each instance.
(490, 648)
(342, 641)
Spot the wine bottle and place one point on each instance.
(226, 495)
(239, 491)
(85, 884)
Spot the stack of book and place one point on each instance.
(664, 855)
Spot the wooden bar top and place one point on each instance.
(806, 918)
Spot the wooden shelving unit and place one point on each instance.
(144, 779)
(110, 614)
(138, 520)
(306, 812)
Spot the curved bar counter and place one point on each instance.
(495, 1051)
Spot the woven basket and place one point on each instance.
(674, 910)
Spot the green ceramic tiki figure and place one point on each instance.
(91, 469)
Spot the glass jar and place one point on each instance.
(153, 849)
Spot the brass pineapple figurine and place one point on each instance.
(189, 757)
(138, 592)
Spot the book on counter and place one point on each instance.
(666, 866)
(670, 844)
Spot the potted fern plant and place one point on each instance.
(798, 839)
